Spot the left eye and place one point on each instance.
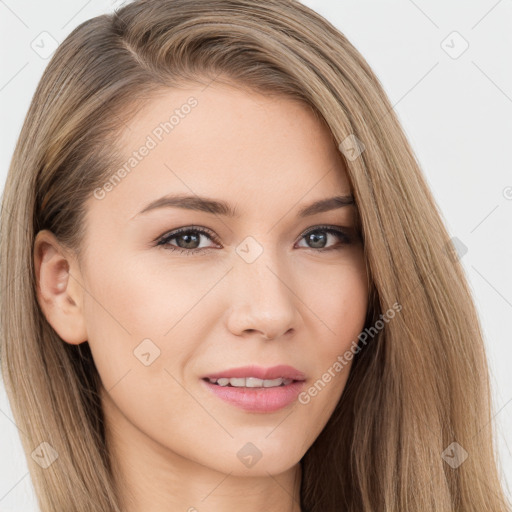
(189, 239)
(313, 237)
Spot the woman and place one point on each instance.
(237, 291)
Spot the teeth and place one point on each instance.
(251, 382)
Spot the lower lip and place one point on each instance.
(257, 399)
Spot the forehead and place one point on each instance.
(225, 142)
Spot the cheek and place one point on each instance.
(338, 297)
(130, 316)
(147, 319)
(135, 298)
(340, 311)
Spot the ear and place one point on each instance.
(58, 286)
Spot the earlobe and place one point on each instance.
(59, 292)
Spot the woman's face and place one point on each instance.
(232, 291)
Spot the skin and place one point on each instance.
(174, 443)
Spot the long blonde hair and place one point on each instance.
(417, 386)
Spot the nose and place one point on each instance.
(263, 299)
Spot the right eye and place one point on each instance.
(189, 237)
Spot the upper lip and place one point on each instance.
(260, 372)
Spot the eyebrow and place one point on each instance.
(220, 207)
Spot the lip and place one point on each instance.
(260, 372)
(258, 400)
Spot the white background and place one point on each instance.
(456, 112)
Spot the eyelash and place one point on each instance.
(165, 239)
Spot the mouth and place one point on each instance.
(256, 375)
(250, 382)
(255, 395)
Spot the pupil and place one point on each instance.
(195, 239)
(314, 237)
